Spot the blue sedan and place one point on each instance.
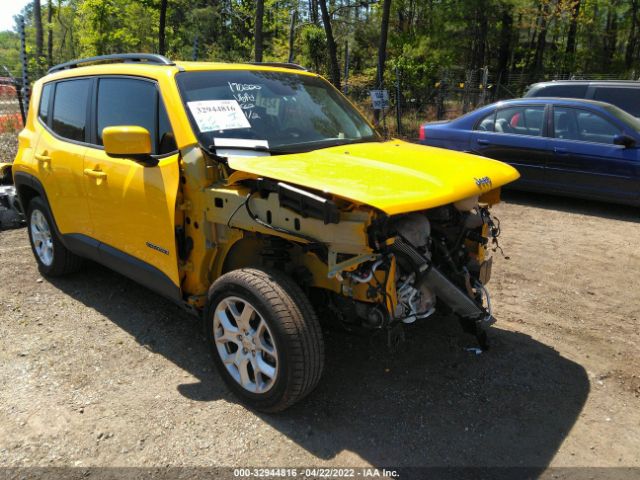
(572, 147)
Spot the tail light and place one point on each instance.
(422, 134)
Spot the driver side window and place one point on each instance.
(128, 101)
(582, 125)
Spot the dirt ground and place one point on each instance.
(97, 371)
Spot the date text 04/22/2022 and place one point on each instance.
(366, 472)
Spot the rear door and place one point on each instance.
(587, 162)
(515, 135)
(64, 113)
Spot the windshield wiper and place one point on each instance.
(254, 148)
(325, 143)
(352, 141)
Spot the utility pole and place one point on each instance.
(346, 67)
(194, 54)
(292, 33)
(23, 61)
(485, 81)
(398, 112)
(382, 51)
(258, 30)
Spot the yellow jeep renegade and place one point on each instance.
(254, 196)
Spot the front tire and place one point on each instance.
(52, 256)
(265, 338)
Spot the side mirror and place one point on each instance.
(625, 140)
(127, 141)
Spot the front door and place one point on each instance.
(587, 162)
(132, 206)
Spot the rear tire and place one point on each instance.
(265, 338)
(53, 258)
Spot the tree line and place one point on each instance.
(419, 37)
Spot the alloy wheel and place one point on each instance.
(245, 344)
(41, 237)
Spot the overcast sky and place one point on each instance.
(8, 9)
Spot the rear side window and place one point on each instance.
(487, 123)
(625, 98)
(45, 97)
(70, 109)
(521, 120)
(127, 101)
(566, 91)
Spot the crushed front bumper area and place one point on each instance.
(11, 215)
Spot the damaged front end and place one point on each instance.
(11, 215)
(367, 269)
(433, 257)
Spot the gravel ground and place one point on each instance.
(97, 371)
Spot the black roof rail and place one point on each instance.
(151, 58)
(292, 66)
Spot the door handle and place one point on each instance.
(560, 151)
(43, 158)
(94, 173)
(482, 141)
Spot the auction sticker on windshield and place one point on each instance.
(213, 115)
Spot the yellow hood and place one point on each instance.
(395, 176)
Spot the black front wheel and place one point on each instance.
(265, 338)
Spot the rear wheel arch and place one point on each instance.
(28, 187)
(26, 193)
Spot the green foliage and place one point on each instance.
(314, 46)
(9, 52)
(112, 26)
(426, 38)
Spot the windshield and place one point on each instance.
(281, 112)
(633, 122)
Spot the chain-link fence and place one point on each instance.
(453, 93)
(10, 118)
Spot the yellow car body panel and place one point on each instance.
(122, 203)
(394, 176)
(131, 204)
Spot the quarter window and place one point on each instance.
(166, 139)
(44, 103)
(70, 109)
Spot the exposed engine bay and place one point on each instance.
(437, 254)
